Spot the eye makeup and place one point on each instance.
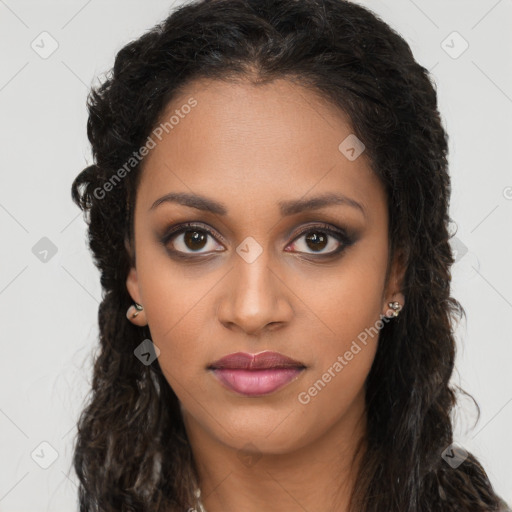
(178, 235)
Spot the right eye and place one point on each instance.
(190, 239)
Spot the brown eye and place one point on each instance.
(322, 240)
(190, 239)
(317, 241)
(194, 240)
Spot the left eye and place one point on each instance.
(321, 241)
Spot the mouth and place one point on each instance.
(256, 374)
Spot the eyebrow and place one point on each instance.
(289, 207)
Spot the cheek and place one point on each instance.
(175, 294)
(333, 391)
(343, 357)
(349, 300)
(179, 311)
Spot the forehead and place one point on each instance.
(254, 144)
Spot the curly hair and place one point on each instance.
(131, 451)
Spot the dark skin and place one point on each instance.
(250, 148)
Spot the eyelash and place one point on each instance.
(339, 234)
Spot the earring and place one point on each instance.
(138, 308)
(396, 307)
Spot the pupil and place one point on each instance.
(315, 239)
(194, 237)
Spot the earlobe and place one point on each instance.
(135, 312)
(394, 298)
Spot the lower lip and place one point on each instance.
(256, 382)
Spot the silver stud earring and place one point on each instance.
(138, 308)
(396, 307)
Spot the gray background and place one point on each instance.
(48, 308)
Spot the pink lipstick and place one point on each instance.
(256, 374)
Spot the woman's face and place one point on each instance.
(262, 267)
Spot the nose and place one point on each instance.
(256, 299)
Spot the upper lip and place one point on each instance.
(245, 361)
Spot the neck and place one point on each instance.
(319, 475)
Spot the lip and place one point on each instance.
(256, 374)
(261, 361)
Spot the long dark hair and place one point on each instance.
(132, 451)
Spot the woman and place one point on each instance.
(268, 206)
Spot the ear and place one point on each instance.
(394, 286)
(135, 317)
(132, 285)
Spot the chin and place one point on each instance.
(266, 433)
